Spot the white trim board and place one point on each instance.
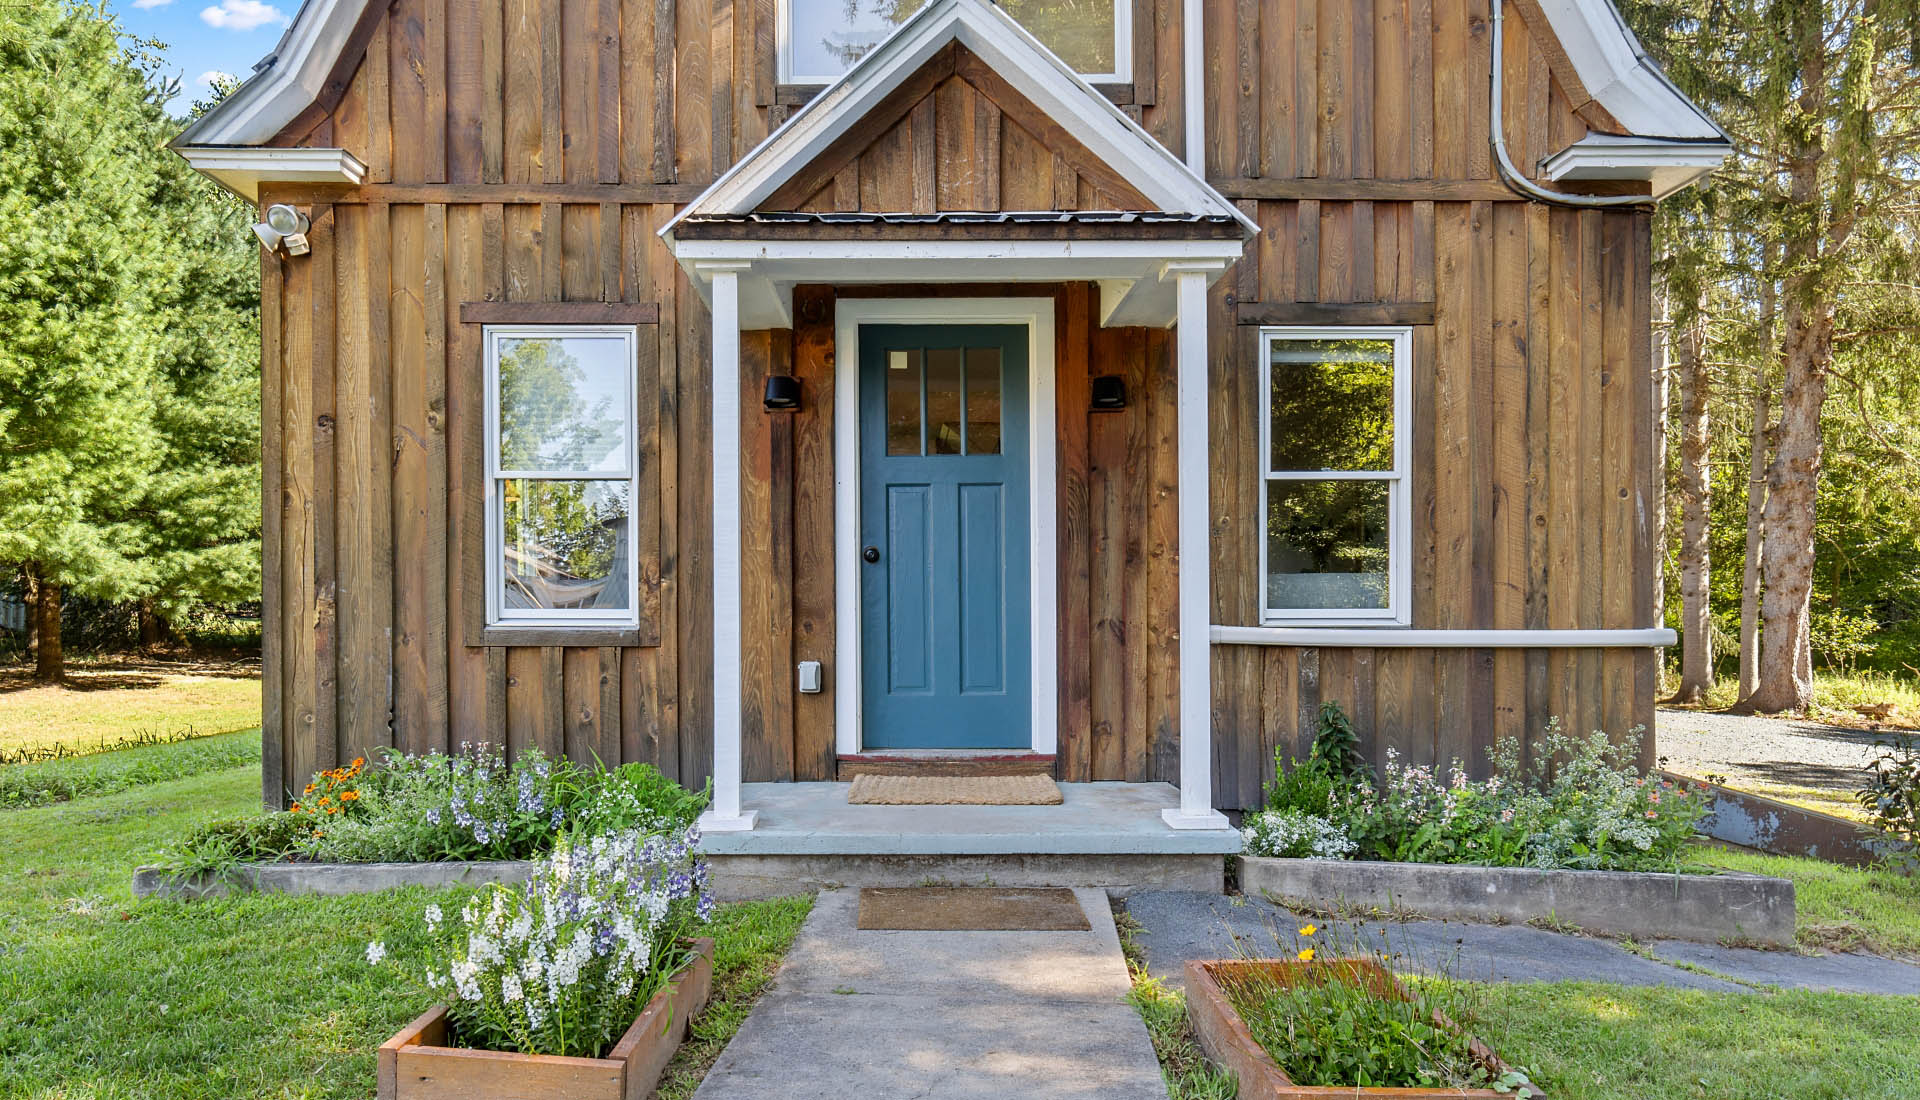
(1394, 638)
(1042, 494)
(286, 82)
(242, 170)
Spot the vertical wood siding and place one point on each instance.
(529, 150)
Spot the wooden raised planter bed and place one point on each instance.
(417, 1065)
(1228, 1042)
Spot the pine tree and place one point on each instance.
(79, 339)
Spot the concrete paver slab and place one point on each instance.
(1182, 926)
(942, 1016)
(1839, 973)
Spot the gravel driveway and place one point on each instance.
(1776, 751)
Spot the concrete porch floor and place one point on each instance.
(1103, 835)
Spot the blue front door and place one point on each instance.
(943, 537)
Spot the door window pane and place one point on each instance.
(564, 404)
(903, 402)
(828, 36)
(943, 401)
(983, 401)
(565, 545)
(1332, 404)
(1327, 544)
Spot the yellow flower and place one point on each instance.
(1309, 930)
(1306, 955)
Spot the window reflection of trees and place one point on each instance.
(546, 421)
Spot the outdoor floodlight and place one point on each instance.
(284, 226)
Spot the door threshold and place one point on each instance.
(944, 762)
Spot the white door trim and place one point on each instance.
(1037, 315)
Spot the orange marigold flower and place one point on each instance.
(309, 789)
(296, 808)
(359, 760)
(349, 796)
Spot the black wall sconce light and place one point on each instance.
(783, 392)
(1109, 393)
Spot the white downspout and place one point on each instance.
(1193, 39)
(1503, 161)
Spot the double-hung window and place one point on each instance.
(561, 476)
(1333, 452)
(821, 39)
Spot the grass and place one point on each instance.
(1836, 694)
(102, 996)
(1589, 1041)
(749, 942)
(106, 701)
(1183, 1065)
(104, 773)
(1840, 908)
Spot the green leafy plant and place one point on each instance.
(633, 796)
(217, 847)
(1336, 747)
(1892, 797)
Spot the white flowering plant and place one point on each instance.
(564, 963)
(1582, 804)
(1290, 834)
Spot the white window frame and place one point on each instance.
(1399, 496)
(498, 615)
(1122, 49)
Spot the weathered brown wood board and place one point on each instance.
(527, 151)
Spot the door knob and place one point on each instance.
(871, 554)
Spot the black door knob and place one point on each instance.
(871, 553)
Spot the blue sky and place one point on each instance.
(206, 36)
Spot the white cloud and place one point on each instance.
(143, 4)
(206, 79)
(241, 15)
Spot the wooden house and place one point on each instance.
(771, 389)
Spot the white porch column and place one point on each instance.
(1196, 663)
(726, 816)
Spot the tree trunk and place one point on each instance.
(154, 628)
(1757, 455)
(1696, 612)
(1793, 481)
(49, 665)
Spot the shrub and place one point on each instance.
(562, 964)
(1892, 796)
(1336, 747)
(1288, 834)
(635, 796)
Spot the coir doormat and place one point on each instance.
(953, 790)
(971, 909)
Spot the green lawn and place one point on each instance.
(256, 996)
(1586, 1041)
(105, 701)
(1840, 908)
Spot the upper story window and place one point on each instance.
(821, 39)
(1334, 459)
(561, 476)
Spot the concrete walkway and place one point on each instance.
(943, 1016)
(1182, 926)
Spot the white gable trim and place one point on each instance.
(1019, 59)
(1667, 166)
(1619, 75)
(286, 83)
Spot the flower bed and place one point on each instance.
(1581, 805)
(1290, 1029)
(578, 981)
(466, 817)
